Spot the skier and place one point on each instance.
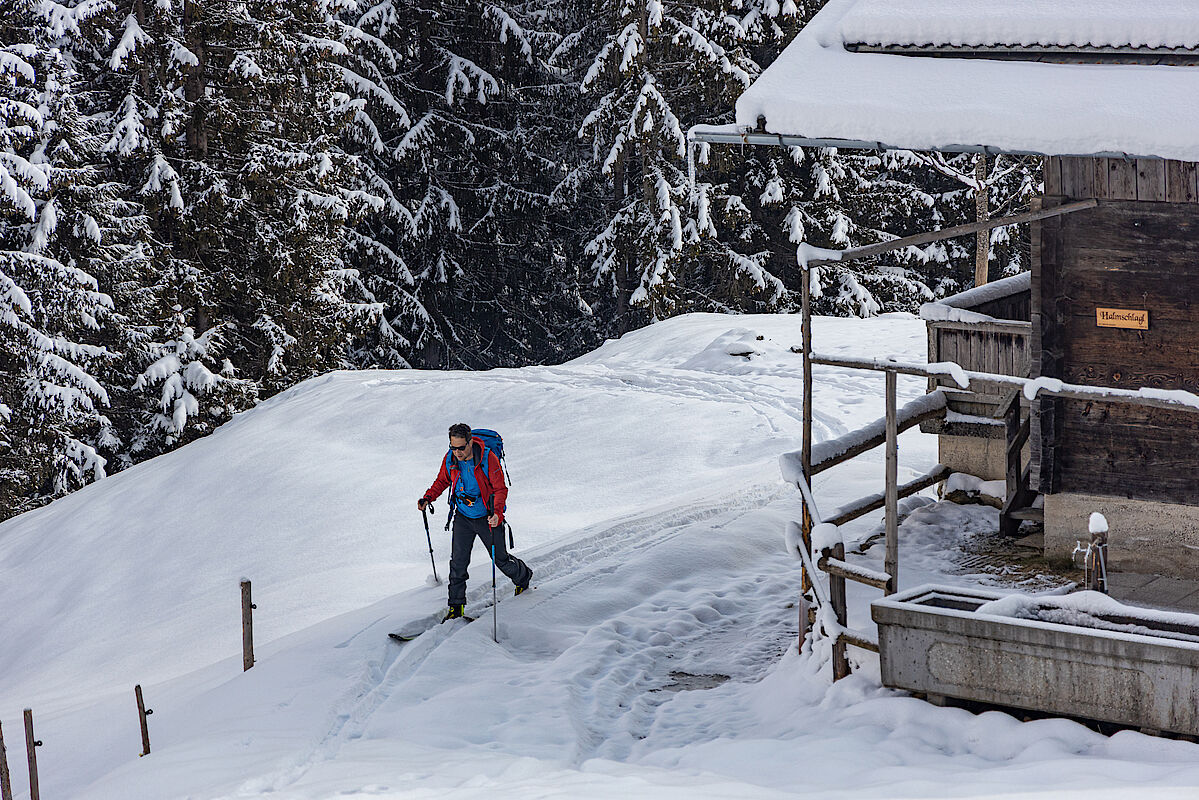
(478, 498)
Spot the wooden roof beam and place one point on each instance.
(856, 253)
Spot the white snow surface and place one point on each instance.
(647, 500)
(1069, 23)
(818, 89)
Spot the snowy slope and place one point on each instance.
(647, 499)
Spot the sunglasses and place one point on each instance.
(459, 449)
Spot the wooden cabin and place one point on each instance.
(1106, 93)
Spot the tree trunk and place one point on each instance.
(193, 87)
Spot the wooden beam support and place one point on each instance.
(869, 250)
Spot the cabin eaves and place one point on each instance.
(838, 84)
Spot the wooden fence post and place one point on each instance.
(836, 593)
(31, 746)
(142, 713)
(5, 779)
(892, 567)
(247, 627)
(803, 607)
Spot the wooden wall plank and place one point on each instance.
(1053, 176)
(1099, 171)
(1121, 179)
(1078, 178)
(1151, 180)
(1176, 182)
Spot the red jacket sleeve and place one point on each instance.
(499, 489)
(439, 485)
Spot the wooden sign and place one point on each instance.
(1122, 318)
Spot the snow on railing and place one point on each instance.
(833, 451)
(1171, 399)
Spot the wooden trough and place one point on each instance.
(1111, 663)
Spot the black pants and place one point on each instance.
(465, 531)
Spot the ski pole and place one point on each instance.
(495, 605)
(424, 515)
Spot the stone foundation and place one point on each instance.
(1144, 536)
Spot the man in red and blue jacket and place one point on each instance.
(479, 497)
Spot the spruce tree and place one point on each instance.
(453, 99)
(662, 66)
(50, 399)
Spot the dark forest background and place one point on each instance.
(204, 202)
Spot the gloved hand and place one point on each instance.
(420, 504)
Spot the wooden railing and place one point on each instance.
(831, 552)
(823, 537)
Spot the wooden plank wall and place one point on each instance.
(1000, 349)
(1139, 250)
(1152, 180)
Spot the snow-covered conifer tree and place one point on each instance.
(661, 67)
(49, 395)
(463, 255)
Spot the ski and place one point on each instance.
(415, 629)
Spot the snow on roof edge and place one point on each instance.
(818, 90)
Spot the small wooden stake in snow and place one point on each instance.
(142, 713)
(247, 626)
(5, 780)
(31, 746)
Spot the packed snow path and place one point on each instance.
(647, 499)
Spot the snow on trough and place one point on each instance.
(646, 498)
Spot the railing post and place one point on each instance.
(247, 627)
(31, 746)
(806, 452)
(1013, 468)
(892, 497)
(5, 779)
(836, 594)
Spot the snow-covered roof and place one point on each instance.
(992, 23)
(819, 90)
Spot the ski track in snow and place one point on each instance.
(668, 566)
(613, 705)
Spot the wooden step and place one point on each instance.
(1030, 514)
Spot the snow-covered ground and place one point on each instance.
(646, 496)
